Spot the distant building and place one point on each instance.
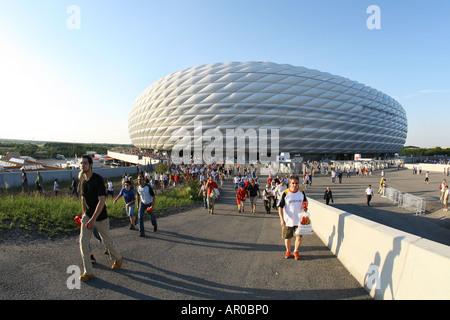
(11, 155)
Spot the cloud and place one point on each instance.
(425, 91)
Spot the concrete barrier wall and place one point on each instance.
(14, 179)
(428, 167)
(389, 263)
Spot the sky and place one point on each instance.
(70, 70)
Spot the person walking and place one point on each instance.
(445, 198)
(56, 187)
(328, 195)
(278, 192)
(267, 195)
(237, 179)
(130, 201)
(241, 195)
(24, 181)
(74, 187)
(93, 194)
(292, 203)
(146, 198)
(110, 189)
(333, 176)
(253, 192)
(442, 188)
(40, 183)
(369, 194)
(204, 191)
(211, 188)
(380, 188)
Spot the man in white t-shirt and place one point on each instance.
(279, 189)
(146, 199)
(164, 181)
(445, 199)
(442, 187)
(236, 182)
(157, 177)
(290, 206)
(368, 194)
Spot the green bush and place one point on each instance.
(53, 216)
(161, 167)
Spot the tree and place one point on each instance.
(161, 167)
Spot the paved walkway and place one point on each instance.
(349, 196)
(193, 256)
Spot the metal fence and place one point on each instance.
(406, 201)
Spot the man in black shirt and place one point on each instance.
(93, 194)
(253, 191)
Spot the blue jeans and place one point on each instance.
(142, 209)
(205, 202)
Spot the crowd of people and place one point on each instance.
(247, 186)
(280, 194)
(210, 179)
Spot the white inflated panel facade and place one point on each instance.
(315, 112)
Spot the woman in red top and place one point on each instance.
(211, 200)
(241, 194)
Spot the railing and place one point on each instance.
(406, 201)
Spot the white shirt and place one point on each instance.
(369, 191)
(267, 193)
(279, 190)
(144, 193)
(292, 205)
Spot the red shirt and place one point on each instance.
(242, 194)
(211, 185)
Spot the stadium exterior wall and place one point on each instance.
(315, 112)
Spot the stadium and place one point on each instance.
(315, 114)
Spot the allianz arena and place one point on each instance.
(316, 113)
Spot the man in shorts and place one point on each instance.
(442, 188)
(241, 195)
(130, 200)
(445, 198)
(293, 201)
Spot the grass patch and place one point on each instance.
(54, 216)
